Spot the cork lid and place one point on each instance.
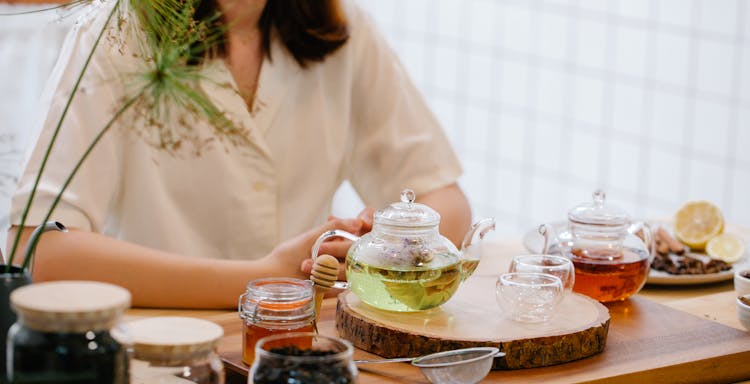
(69, 306)
(170, 338)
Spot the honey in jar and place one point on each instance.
(274, 306)
(611, 262)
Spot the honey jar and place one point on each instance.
(273, 306)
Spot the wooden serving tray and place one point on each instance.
(647, 342)
(471, 318)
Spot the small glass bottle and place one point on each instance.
(272, 306)
(62, 334)
(166, 350)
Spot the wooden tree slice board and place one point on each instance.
(472, 318)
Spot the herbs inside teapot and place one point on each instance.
(404, 264)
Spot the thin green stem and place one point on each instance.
(54, 138)
(104, 130)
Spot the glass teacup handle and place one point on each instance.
(325, 236)
(647, 238)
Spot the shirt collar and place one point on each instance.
(277, 74)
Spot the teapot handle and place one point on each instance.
(325, 236)
(547, 232)
(647, 237)
(481, 227)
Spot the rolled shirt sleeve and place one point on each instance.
(85, 203)
(399, 142)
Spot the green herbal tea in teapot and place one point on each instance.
(403, 290)
(404, 264)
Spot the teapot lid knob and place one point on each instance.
(599, 196)
(408, 196)
(407, 213)
(598, 212)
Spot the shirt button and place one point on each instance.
(258, 186)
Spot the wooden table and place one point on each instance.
(687, 334)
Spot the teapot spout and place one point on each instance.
(469, 254)
(34, 240)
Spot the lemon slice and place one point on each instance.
(697, 222)
(726, 247)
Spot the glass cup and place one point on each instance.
(322, 359)
(529, 297)
(554, 265)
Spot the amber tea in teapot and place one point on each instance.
(611, 263)
(610, 281)
(404, 264)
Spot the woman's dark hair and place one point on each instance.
(310, 29)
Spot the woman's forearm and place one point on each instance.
(453, 207)
(167, 280)
(154, 278)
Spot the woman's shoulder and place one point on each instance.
(367, 46)
(365, 41)
(360, 24)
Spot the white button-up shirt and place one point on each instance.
(355, 116)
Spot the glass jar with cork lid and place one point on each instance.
(272, 306)
(62, 334)
(169, 349)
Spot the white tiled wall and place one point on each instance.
(547, 100)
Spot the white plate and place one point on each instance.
(534, 242)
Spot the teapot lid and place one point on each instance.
(407, 213)
(597, 212)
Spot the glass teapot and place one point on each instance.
(611, 255)
(404, 264)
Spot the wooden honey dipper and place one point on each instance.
(324, 273)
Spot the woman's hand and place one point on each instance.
(339, 246)
(296, 251)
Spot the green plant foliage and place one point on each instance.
(172, 45)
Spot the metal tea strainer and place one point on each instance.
(458, 366)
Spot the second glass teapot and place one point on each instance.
(404, 264)
(611, 261)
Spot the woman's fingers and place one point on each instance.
(337, 249)
(306, 268)
(367, 217)
(349, 225)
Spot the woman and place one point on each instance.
(320, 98)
